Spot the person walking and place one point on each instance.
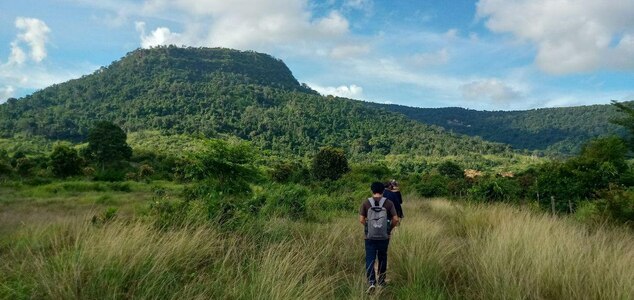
(378, 216)
(393, 193)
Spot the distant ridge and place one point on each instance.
(217, 92)
(553, 130)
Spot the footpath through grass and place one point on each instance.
(443, 250)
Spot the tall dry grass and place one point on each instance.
(443, 250)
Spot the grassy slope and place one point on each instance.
(443, 250)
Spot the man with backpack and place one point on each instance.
(379, 217)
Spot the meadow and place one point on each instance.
(57, 241)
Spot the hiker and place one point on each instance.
(379, 217)
(393, 194)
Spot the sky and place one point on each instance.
(485, 55)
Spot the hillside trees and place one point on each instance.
(222, 92)
(627, 120)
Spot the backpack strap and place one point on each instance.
(381, 202)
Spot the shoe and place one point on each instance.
(371, 289)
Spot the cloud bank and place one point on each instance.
(352, 91)
(248, 25)
(570, 36)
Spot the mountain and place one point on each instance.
(554, 130)
(218, 92)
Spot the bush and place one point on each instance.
(330, 163)
(88, 171)
(64, 161)
(145, 171)
(495, 189)
(450, 169)
(432, 185)
(617, 204)
(286, 200)
(105, 217)
(289, 172)
(110, 174)
(24, 166)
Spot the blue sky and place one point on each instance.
(486, 54)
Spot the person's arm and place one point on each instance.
(363, 214)
(395, 218)
(395, 221)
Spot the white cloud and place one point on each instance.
(160, 36)
(243, 24)
(17, 55)
(571, 36)
(6, 93)
(490, 89)
(24, 72)
(352, 91)
(33, 32)
(347, 51)
(358, 4)
(440, 57)
(451, 33)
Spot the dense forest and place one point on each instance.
(222, 92)
(552, 130)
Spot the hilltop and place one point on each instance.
(217, 92)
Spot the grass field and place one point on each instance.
(51, 250)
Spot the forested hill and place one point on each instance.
(560, 130)
(223, 92)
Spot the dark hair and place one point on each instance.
(377, 188)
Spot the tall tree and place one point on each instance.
(64, 161)
(107, 144)
(626, 121)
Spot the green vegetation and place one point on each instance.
(548, 130)
(107, 144)
(65, 161)
(330, 163)
(229, 179)
(218, 93)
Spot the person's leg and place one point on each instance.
(370, 256)
(382, 257)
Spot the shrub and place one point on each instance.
(432, 185)
(131, 176)
(145, 171)
(88, 171)
(617, 204)
(110, 174)
(329, 163)
(495, 189)
(289, 172)
(286, 200)
(105, 217)
(24, 165)
(64, 161)
(450, 169)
